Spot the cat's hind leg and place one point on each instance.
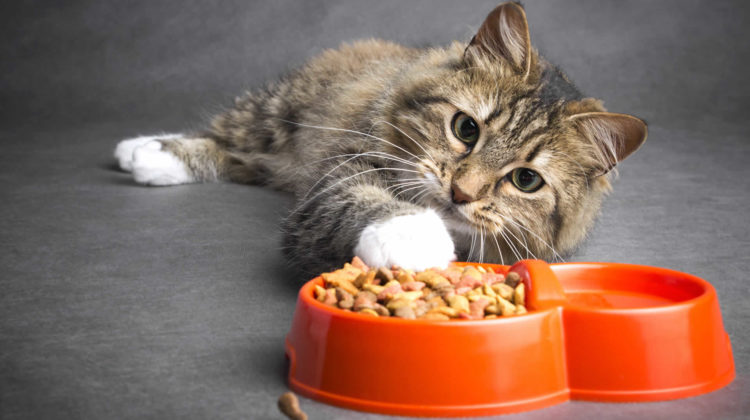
(171, 159)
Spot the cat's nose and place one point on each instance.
(459, 196)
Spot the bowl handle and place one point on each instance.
(543, 289)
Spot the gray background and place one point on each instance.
(121, 301)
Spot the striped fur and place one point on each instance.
(362, 134)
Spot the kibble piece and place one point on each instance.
(405, 312)
(459, 303)
(368, 311)
(320, 293)
(436, 316)
(394, 304)
(519, 298)
(405, 277)
(384, 274)
(503, 290)
(364, 300)
(506, 308)
(512, 279)
(289, 405)
(365, 278)
(344, 298)
(330, 298)
(381, 310)
(374, 288)
(520, 309)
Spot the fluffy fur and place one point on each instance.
(362, 136)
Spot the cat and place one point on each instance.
(414, 157)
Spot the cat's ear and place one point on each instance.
(504, 35)
(616, 136)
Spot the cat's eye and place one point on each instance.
(465, 128)
(526, 180)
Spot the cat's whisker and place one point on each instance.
(401, 185)
(408, 136)
(352, 157)
(345, 130)
(511, 246)
(421, 195)
(524, 244)
(328, 188)
(497, 244)
(539, 238)
(473, 240)
(406, 190)
(481, 245)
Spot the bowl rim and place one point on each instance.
(306, 295)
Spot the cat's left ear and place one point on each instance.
(504, 35)
(616, 136)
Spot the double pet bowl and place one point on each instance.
(594, 331)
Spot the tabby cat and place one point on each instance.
(415, 157)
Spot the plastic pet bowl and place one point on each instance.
(594, 331)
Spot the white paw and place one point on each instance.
(415, 241)
(124, 150)
(153, 166)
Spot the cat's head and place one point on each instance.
(508, 149)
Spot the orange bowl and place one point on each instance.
(594, 331)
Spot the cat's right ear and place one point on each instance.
(504, 35)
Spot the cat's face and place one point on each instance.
(505, 147)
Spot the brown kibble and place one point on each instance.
(520, 296)
(436, 316)
(320, 293)
(365, 278)
(384, 274)
(492, 309)
(364, 300)
(520, 309)
(340, 278)
(445, 310)
(503, 290)
(368, 311)
(404, 277)
(357, 262)
(381, 310)
(512, 279)
(373, 288)
(289, 405)
(413, 286)
(459, 303)
(506, 308)
(330, 298)
(405, 312)
(394, 304)
(487, 290)
(389, 290)
(476, 308)
(431, 278)
(344, 298)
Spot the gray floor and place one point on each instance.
(120, 301)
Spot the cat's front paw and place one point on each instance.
(416, 241)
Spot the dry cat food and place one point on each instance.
(470, 292)
(289, 405)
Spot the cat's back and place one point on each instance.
(363, 57)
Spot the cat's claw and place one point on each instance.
(416, 241)
(150, 165)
